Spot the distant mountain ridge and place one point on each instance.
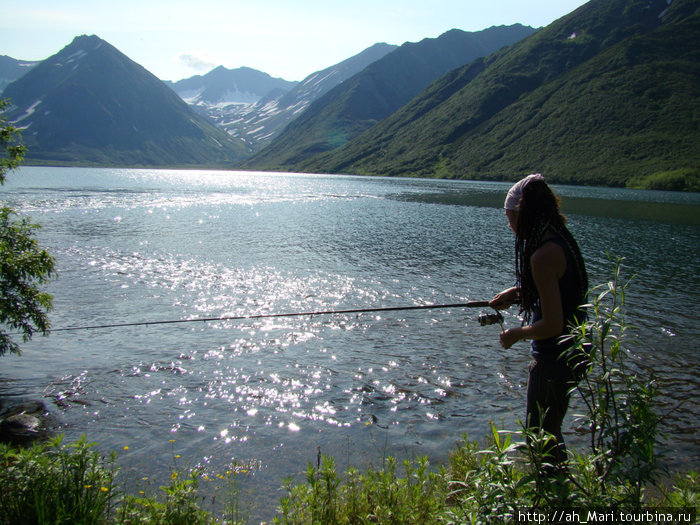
(605, 95)
(378, 90)
(259, 122)
(90, 104)
(243, 85)
(11, 69)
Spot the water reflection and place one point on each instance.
(267, 393)
(677, 210)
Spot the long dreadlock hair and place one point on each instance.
(538, 213)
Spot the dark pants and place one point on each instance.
(548, 387)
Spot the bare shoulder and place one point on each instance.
(549, 257)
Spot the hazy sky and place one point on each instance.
(290, 39)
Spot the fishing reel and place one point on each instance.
(489, 319)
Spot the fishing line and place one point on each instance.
(470, 304)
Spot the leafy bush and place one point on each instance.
(676, 180)
(618, 398)
(55, 483)
(377, 496)
(181, 505)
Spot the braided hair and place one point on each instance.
(539, 214)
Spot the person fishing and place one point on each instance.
(551, 285)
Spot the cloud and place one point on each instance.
(196, 61)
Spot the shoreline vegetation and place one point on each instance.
(504, 480)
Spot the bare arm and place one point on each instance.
(548, 265)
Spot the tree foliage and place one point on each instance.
(11, 151)
(24, 266)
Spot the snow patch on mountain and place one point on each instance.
(238, 97)
(257, 118)
(662, 13)
(191, 96)
(80, 53)
(28, 112)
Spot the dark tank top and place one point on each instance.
(571, 300)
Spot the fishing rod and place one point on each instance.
(483, 320)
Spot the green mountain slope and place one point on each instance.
(379, 90)
(603, 95)
(90, 104)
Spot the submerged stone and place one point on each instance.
(22, 421)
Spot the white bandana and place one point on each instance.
(514, 194)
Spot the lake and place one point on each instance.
(263, 395)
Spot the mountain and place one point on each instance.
(243, 85)
(12, 69)
(90, 104)
(259, 122)
(380, 89)
(608, 94)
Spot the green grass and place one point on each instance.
(68, 484)
(57, 483)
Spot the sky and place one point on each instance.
(288, 39)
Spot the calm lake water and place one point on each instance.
(149, 245)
